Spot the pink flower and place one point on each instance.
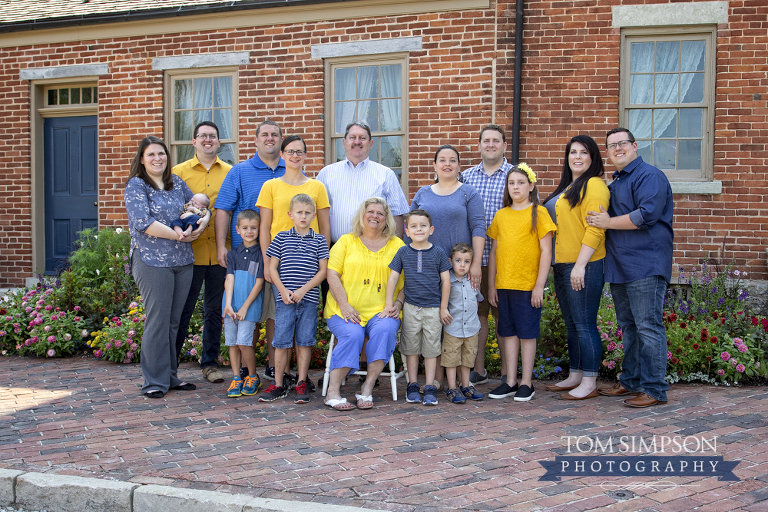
(721, 372)
(118, 344)
(67, 337)
(51, 352)
(135, 320)
(743, 348)
(27, 342)
(611, 364)
(115, 319)
(98, 354)
(193, 352)
(77, 319)
(28, 309)
(77, 308)
(119, 323)
(131, 333)
(51, 339)
(3, 333)
(134, 346)
(734, 362)
(47, 328)
(133, 305)
(669, 355)
(38, 321)
(129, 355)
(84, 333)
(108, 346)
(737, 341)
(740, 368)
(611, 346)
(757, 364)
(48, 308)
(725, 356)
(54, 317)
(604, 335)
(8, 318)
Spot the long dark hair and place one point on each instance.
(533, 196)
(138, 169)
(575, 195)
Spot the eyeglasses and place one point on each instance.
(621, 144)
(209, 136)
(352, 138)
(297, 152)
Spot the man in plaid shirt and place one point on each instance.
(489, 179)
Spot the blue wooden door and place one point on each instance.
(71, 185)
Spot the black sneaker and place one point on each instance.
(243, 373)
(310, 386)
(524, 394)
(503, 391)
(272, 393)
(476, 378)
(302, 393)
(269, 373)
(289, 381)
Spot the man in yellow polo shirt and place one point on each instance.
(204, 173)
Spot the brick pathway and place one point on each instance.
(87, 418)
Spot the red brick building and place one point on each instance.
(83, 82)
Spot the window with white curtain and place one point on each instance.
(198, 98)
(372, 89)
(668, 100)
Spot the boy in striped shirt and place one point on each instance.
(298, 263)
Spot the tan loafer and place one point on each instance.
(616, 390)
(213, 374)
(643, 400)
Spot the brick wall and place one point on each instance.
(571, 85)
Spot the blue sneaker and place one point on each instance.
(471, 393)
(251, 384)
(412, 395)
(235, 388)
(455, 396)
(430, 395)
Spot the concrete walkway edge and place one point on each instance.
(62, 493)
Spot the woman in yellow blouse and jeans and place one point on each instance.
(358, 269)
(578, 255)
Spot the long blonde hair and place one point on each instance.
(357, 219)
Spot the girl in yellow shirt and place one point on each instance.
(518, 265)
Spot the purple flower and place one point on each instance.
(740, 368)
(743, 348)
(51, 339)
(3, 333)
(99, 353)
(134, 346)
(669, 355)
(721, 372)
(725, 356)
(77, 308)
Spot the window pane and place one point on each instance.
(375, 151)
(644, 149)
(184, 153)
(222, 91)
(693, 56)
(692, 87)
(641, 89)
(664, 123)
(392, 151)
(203, 93)
(367, 82)
(344, 83)
(391, 81)
(690, 154)
(199, 117)
(63, 96)
(338, 148)
(664, 154)
(182, 92)
(53, 97)
(666, 89)
(75, 95)
(691, 122)
(640, 123)
(227, 153)
(641, 59)
(184, 127)
(667, 56)
(87, 95)
(368, 111)
(345, 114)
(391, 114)
(95, 94)
(223, 120)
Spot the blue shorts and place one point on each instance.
(516, 315)
(238, 332)
(299, 319)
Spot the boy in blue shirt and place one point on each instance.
(427, 288)
(298, 263)
(243, 302)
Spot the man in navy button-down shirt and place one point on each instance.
(638, 264)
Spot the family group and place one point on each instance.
(264, 239)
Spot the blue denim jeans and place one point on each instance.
(298, 319)
(639, 309)
(579, 308)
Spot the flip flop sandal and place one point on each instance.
(339, 404)
(364, 402)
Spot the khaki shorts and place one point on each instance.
(458, 351)
(484, 307)
(421, 331)
(268, 310)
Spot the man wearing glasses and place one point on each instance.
(356, 178)
(240, 191)
(205, 173)
(638, 264)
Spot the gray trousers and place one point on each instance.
(164, 291)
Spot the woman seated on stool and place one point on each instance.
(358, 269)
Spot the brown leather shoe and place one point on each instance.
(616, 390)
(643, 400)
(568, 396)
(559, 389)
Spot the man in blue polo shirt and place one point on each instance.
(638, 264)
(240, 191)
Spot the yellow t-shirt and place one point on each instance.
(518, 252)
(572, 227)
(363, 274)
(277, 194)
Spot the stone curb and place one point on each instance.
(63, 493)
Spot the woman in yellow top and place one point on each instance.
(358, 269)
(276, 194)
(579, 251)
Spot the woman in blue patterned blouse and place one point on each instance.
(161, 262)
